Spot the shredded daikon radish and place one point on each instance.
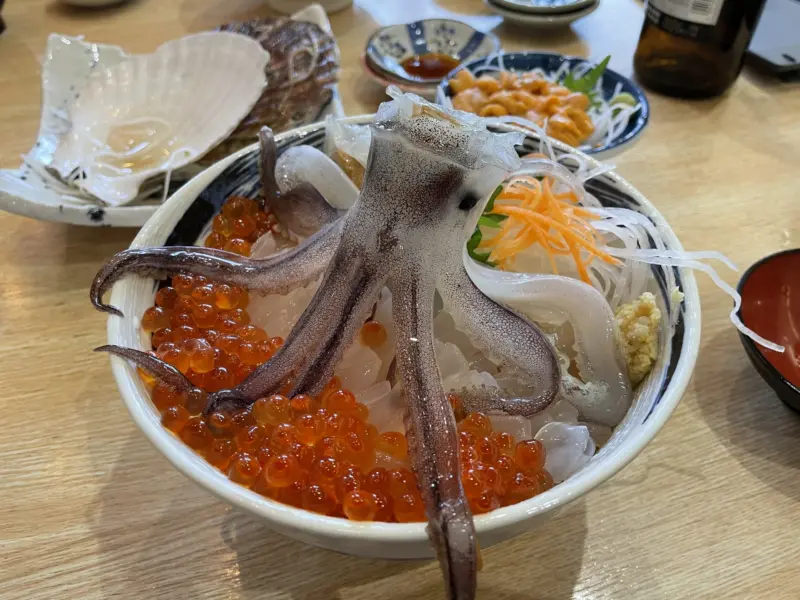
(624, 234)
(689, 260)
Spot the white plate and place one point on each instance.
(25, 192)
(540, 21)
(544, 7)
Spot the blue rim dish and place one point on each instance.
(786, 390)
(550, 63)
(389, 46)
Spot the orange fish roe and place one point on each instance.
(373, 334)
(239, 225)
(316, 453)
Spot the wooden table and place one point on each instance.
(90, 510)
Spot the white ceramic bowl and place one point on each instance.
(193, 207)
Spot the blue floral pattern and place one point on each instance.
(389, 46)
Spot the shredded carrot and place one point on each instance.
(536, 215)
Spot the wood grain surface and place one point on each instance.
(90, 510)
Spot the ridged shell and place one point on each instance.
(176, 104)
(301, 75)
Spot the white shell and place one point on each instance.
(158, 112)
(32, 191)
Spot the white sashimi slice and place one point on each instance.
(276, 314)
(468, 379)
(359, 367)
(567, 449)
(450, 360)
(519, 427)
(306, 164)
(385, 406)
(600, 433)
(383, 315)
(561, 411)
(598, 357)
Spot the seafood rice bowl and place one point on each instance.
(402, 334)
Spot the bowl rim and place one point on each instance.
(288, 518)
(642, 121)
(543, 11)
(521, 17)
(753, 349)
(432, 82)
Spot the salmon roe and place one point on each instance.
(316, 453)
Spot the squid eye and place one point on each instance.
(468, 200)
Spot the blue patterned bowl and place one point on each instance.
(522, 62)
(390, 46)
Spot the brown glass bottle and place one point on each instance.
(694, 48)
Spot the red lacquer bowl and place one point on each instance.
(770, 291)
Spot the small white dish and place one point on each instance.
(540, 21)
(93, 3)
(389, 46)
(654, 400)
(290, 6)
(544, 7)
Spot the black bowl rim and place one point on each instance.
(644, 112)
(753, 350)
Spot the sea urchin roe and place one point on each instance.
(291, 449)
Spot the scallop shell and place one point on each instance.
(302, 75)
(155, 113)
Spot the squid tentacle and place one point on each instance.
(154, 365)
(347, 295)
(507, 336)
(303, 209)
(433, 437)
(277, 274)
(327, 326)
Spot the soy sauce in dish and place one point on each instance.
(429, 66)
